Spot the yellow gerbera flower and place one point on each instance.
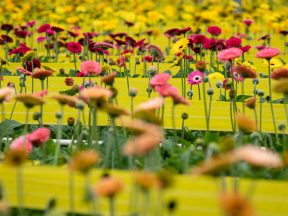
(216, 76)
(180, 45)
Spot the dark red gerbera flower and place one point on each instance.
(130, 41)
(264, 37)
(6, 39)
(170, 32)
(73, 34)
(6, 27)
(74, 47)
(283, 32)
(43, 28)
(29, 66)
(120, 42)
(88, 35)
(120, 35)
(21, 33)
(129, 24)
(57, 29)
(183, 31)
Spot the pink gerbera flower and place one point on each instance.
(74, 47)
(268, 53)
(39, 136)
(195, 77)
(248, 22)
(229, 54)
(159, 79)
(22, 143)
(90, 68)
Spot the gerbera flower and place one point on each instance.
(6, 27)
(229, 54)
(151, 105)
(109, 79)
(90, 68)
(22, 143)
(233, 204)
(30, 100)
(41, 74)
(155, 52)
(65, 99)
(195, 77)
(74, 47)
(245, 72)
(16, 157)
(251, 102)
(39, 136)
(279, 73)
(245, 124)
(233, 42)
(180, 45)
(43, 28)
(159, 79)
(83, 161)
(96, 96)
(248, 22)
(108, 187)
(69, 81)
(6, 94)
(214, 30)
(216, 76)
(40, 39)
(268, 53)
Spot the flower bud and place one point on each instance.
(190, 93)
(255, 81)
(70, 121)
(36, 116)
(210, 91)
(205, 79)
(201, 66)
(219, 84)
(260, 93)
(281, 127)
(58, 115)
(184, 116)
(132, 92)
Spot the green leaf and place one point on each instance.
(7, 127)
(223, 98)
(5, 72)
(72, 73)
(70, 92)
(242, 98)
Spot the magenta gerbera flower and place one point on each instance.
(229, 54)
(43, 28)
(195, 77)
(214, 30)
(74, 47)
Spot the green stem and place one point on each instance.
(285, 107)
(162, 115)
(59, 135)
(117, 149)
(260, 123)
(3, 111)
(199, 94)
(205, 106)
(271, 103)
(256, 119)
(74, 54)
(94, 127)
(112, 206)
